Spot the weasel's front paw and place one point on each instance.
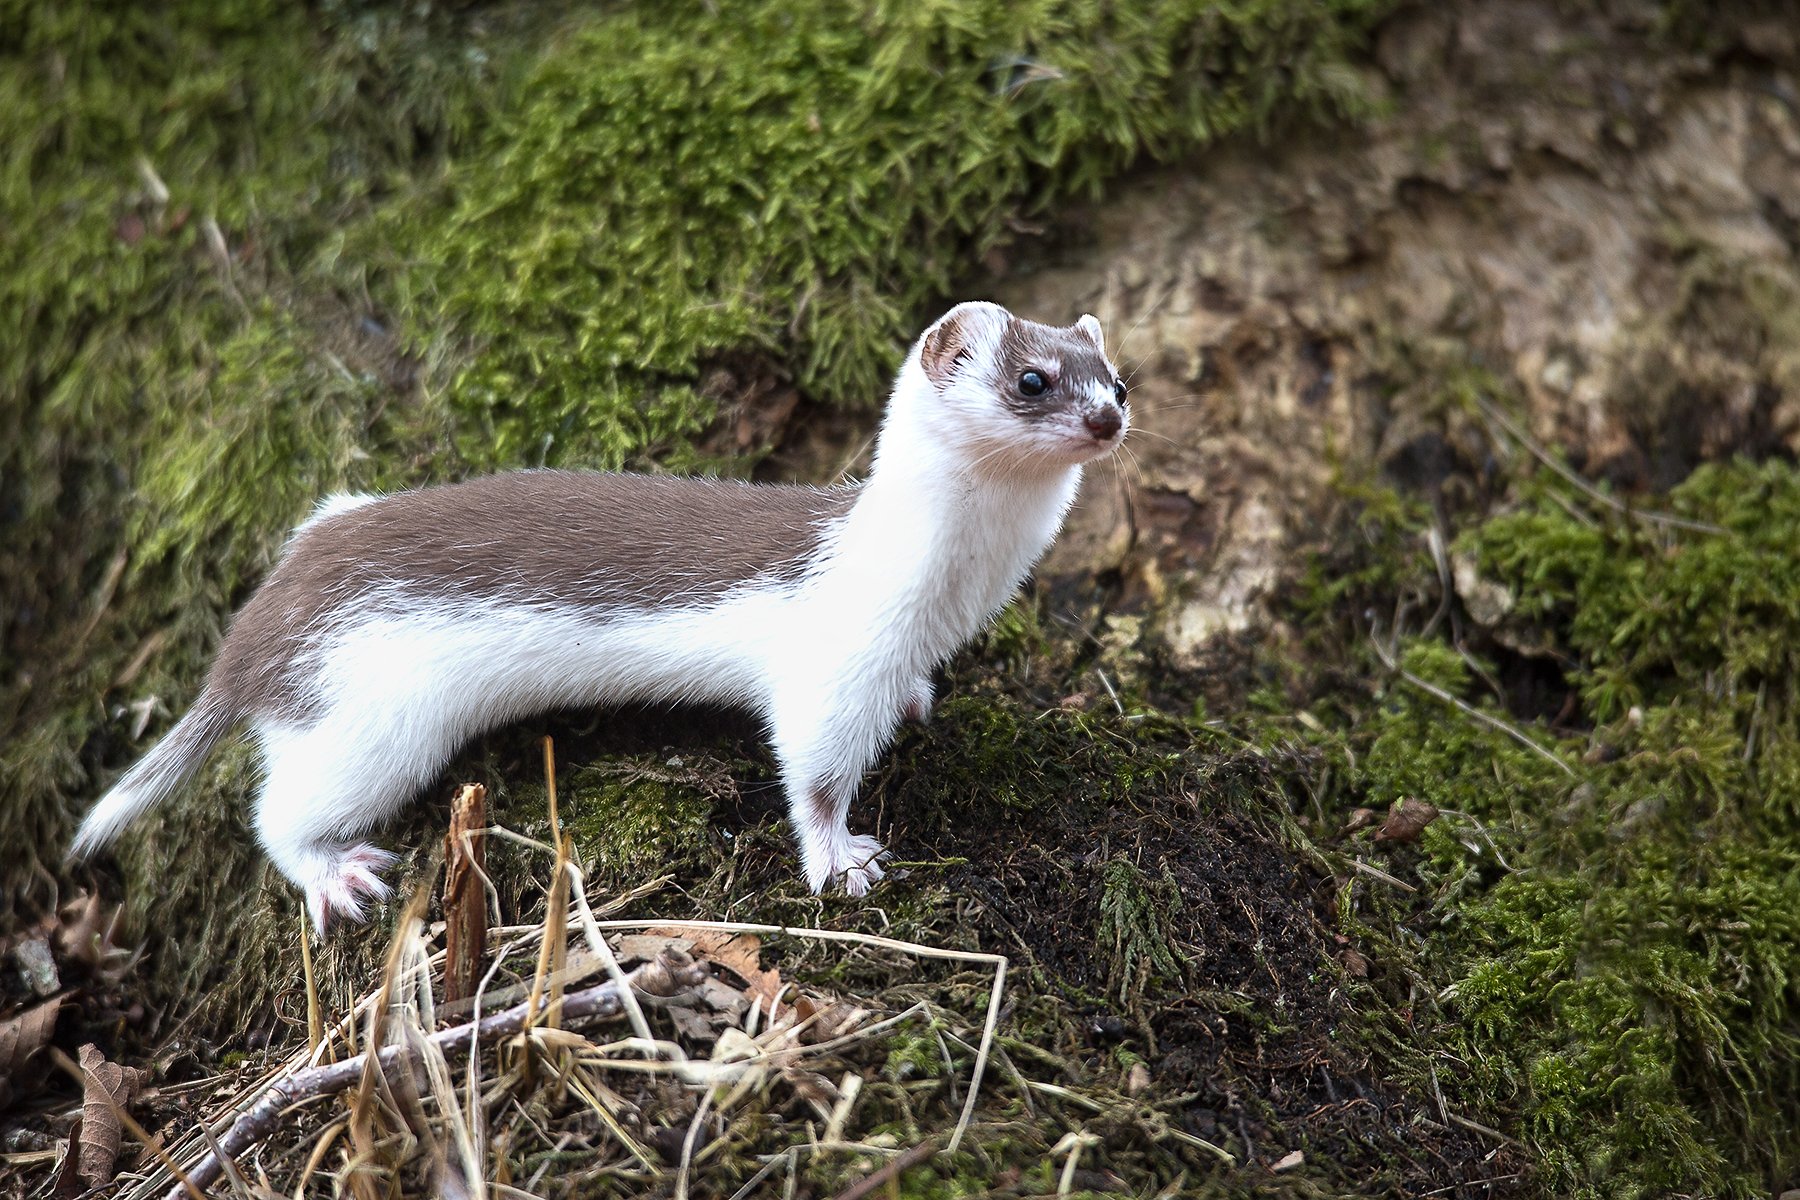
(859, 864)
(343, 884)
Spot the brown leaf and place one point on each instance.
(108, 1088)
(24, 1033)
(64, 1182)
(739, 953)
(827, 1019)
(1355, 963)
(1406, 820)
(1362, 818)
(669, 974)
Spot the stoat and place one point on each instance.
(394, 628)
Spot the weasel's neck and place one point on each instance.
(939, 545)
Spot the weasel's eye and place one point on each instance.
(1033, 384)
(1119, 391)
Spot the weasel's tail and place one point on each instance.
(157, 774)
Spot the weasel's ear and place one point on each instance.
(954, 339)
(1090, 325)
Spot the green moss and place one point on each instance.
(913, 1056)
(1133, 913)
(683, 181)
(1614, 932)
(631, 819)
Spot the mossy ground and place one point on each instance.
(1143, 873)
(1606, 925)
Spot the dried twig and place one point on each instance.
(890, 1170)
(1493, 413)
(1377, 873)
(1469, 710)
(671, 972)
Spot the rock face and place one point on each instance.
(1562, 222)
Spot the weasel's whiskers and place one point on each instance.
(1160, 436)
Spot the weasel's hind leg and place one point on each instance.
(312, 805)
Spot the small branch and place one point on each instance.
(671, 972)
(890, 1170)
(1587, 489)
(1378, 873)
(465, 901)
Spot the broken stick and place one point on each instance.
(465, 896)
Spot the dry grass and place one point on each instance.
(495, 1101)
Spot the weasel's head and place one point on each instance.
(1013, 393)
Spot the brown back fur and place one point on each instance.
(531, 537)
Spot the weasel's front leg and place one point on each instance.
(824, 751)
(828, 850)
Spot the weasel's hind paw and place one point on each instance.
(345, 881)
(858, 864)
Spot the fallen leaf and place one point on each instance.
(1290, 1160)
(1406, 820)
(739, 953)
(1355, 963)
(64, 1182)
(24, 1033)
(108, 1088)
(1362, 818)
(668, 974)
(824, 1021)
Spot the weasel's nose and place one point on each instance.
(1103, 422)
